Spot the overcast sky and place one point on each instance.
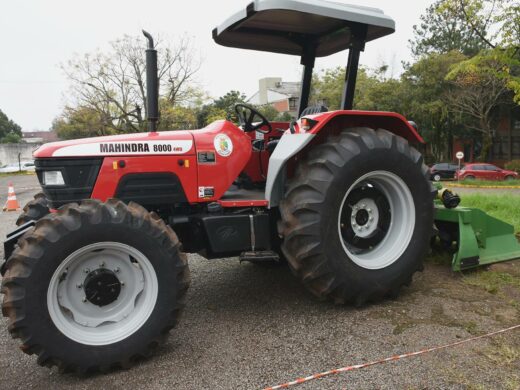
(36, 36)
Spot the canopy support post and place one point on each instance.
(359, 33)
(308, 60)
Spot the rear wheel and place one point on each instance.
(95, 286)
(358, 215)
(34, 210)
(469, 178)
(437, 177)
(510, 178)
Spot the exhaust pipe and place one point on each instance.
(152, 85)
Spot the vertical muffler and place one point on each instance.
(152, 85)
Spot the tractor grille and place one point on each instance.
(79, 175)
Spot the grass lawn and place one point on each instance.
(502, 206)
(23, 173)
(501, 280)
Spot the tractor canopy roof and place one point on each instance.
(289, 26)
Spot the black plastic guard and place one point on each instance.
(11, 240)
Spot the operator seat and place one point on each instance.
(311, 110)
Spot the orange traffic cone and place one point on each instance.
(12, 203)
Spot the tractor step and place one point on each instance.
(259, 256)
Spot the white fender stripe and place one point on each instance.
(125, 148)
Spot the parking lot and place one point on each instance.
(248, 327)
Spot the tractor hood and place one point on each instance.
(168, 142)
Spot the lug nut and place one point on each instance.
(102, 264)
(84, 300)
(79, 285)
(122, 284)
(86, 270)
(116, 269)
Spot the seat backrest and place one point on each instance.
(312, 110)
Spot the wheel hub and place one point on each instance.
(376, 219)
(102, 287)
(364, 219)
(119, 275)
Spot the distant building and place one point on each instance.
(506, 139)
(39, 137)
(282, 95)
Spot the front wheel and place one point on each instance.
(95, 286)
(437, 177)
(34, 210)
(357, 216)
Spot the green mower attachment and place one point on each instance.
(481, 239)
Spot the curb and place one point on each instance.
(475, 186)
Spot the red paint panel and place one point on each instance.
(257, 166)
(221, 174)
(391, 121)
(108, 178)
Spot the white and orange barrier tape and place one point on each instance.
(389, 359)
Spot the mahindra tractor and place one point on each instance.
(96, 274)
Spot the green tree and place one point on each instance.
(227, 103)
(441, 30)
(8, 126)
(11, 138)
(327, 88)
(481, 84)
(425, 101)
(502, 17)
(81, 122)
(268, 111)
(177, 117)
(113, 83)
(221, 108)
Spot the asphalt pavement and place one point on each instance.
(248, 327)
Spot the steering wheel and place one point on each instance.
(246, 115)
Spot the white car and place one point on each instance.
(23, 166)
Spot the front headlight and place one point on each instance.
(53, 178)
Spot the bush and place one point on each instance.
(513, 165)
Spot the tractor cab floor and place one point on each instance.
(239, 194)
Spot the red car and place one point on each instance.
(485, 172)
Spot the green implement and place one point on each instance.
(481, 239)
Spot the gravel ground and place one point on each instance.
(247, 327)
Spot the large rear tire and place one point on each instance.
(357, 216)
(95, 286)
(34, 209)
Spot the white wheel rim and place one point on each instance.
(88, 323)
(401, 225)
(437, 178)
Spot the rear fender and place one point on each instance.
(294, 146)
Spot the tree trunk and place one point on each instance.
(487, 143)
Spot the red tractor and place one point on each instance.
(96, 274)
